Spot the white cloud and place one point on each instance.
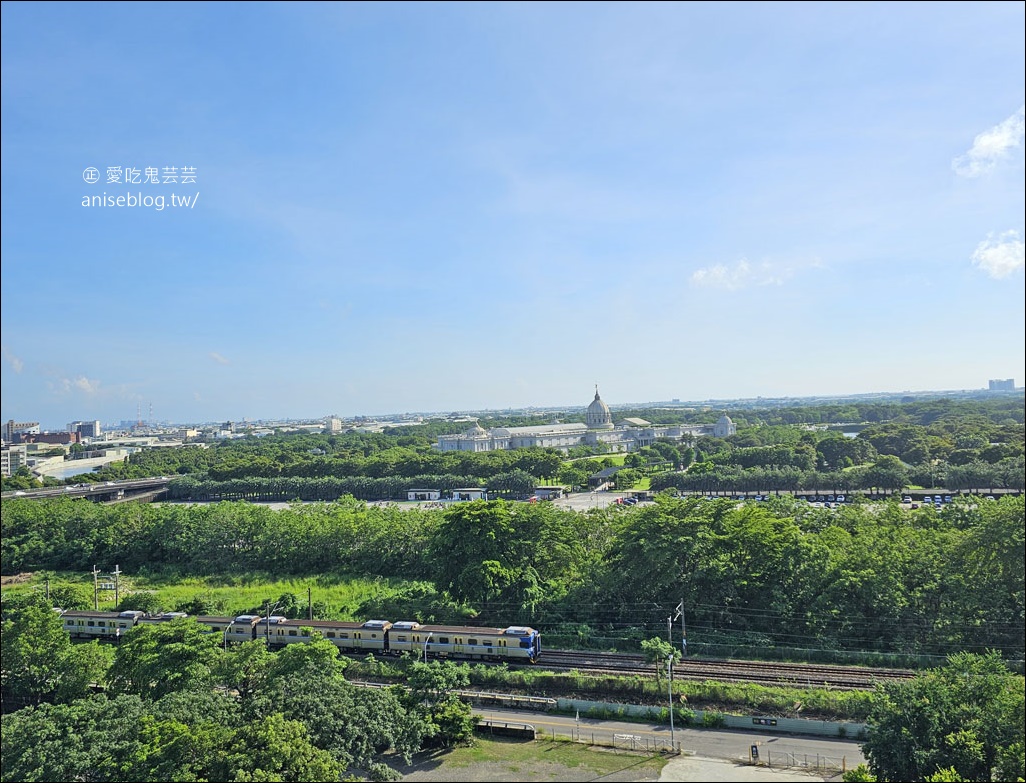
(992, 146)
(218, 358)
(745, 274)
(81, 384)
(87, 385)
(16, 364)
(1000, 256)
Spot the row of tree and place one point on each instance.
(887, 475)
(778, 574)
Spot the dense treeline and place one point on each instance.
(887, 475)
(516, 484)
(778, 574)
(328, 456)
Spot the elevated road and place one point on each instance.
(143, 490)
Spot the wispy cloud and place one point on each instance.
(16, 364)
(991, 146)
(744, 274)
(79, 384)
(1000, 256)
(218, 358)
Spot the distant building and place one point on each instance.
(12, 458)
(57, 438)
(333, 425)
(14, 429)
(1008, 384)
(423, 494)
(724, 428)
(87, 429)
(470, 493)
(627, 435)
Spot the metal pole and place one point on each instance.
(117, 585)
(426, 640)
(669, 679)
(96, 590)
(225, 635)
(683, 630)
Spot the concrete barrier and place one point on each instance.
(820, 728)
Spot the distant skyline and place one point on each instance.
(435, 207)
(716, 403)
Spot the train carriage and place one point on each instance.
(517, 643)
(370, 636)
(239, 629)
(109, 626)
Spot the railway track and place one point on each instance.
(756, 672)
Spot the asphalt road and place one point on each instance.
(721, 744)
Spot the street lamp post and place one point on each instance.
(426, 640)
(225, 634)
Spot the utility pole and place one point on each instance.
(683, 628)
(117, 586)
(309, 604)
(669, 680)
(96, 590)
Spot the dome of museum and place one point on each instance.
(599, 416)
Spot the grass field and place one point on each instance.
(540, 760)
(335, 597)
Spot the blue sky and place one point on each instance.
(440, 207)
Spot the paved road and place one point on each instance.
(582, 501)
(719, 744)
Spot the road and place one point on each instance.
(719, 745)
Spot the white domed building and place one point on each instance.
(724, 428)
(599, 417)
(598, 428)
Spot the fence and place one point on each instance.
(760, 755)
(632, 743)
(786, 759)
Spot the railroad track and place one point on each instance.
(757, 672)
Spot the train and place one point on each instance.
(516, 643)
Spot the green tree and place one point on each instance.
(277, 749)
(658, 651)
(154, 660)
(964, 719)
(38, 661)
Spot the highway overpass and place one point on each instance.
(101, 492)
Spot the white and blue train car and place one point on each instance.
(515, 643)
(370, 636)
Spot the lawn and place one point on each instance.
(540, 760)
(334, 597)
